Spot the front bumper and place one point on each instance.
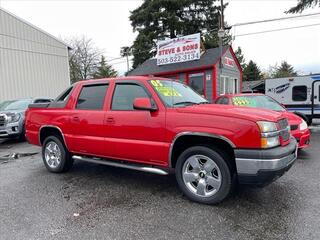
(302, 137)
(11, 130)
(261, 167)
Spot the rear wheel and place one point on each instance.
(55, 155)
(203, 175)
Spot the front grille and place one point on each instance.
(294, 127)
(284, 129)
(2, 120)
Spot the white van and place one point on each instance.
(296, 94)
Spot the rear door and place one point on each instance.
(87, 120)
(136, 135)
(317, 97)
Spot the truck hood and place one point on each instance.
(246, 113)
(292, 118)
(12, 112)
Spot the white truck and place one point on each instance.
(298, 94)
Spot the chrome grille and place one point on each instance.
(2, 120)
(284, 129)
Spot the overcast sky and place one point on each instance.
(107, 23)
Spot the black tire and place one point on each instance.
(22, 136)
(226, 173)
(66, 161)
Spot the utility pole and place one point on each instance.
(221, 32)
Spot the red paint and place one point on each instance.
(214, 83)
(303, 136)
(143, 136)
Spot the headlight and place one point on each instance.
(303, 125)
(266, 127)
(14, 117)
(269, 134)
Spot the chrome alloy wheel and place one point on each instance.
(52, 154)
(201, 175)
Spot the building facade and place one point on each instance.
(33, 63)
(205, 75)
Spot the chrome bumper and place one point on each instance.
(262, 166)
(10, 129)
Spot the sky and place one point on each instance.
(107, 23)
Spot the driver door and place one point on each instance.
(136, 135)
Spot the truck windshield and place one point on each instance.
(175, 94)
(259, 101)
(14, 105)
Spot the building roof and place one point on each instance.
(149, 67)
(34, 27)
(249, 86)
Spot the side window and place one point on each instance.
(124, 95)
(65, 95)
(223, 100)
(299, 93)
(92, 97)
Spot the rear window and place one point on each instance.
(299, 93)
(92, 97)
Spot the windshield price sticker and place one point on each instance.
(168, 91)
(156, 83)
(243, 101)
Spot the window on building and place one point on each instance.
(299, 93)
(196, 82)
(92, 97)
(125, 94)
(228, 85)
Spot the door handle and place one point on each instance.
(110, 120)
(76, 119)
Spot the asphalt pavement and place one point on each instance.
(100, 202)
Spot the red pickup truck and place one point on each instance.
(154, 125)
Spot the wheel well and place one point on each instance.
(184, 142)
(306, 118)
(50, 131)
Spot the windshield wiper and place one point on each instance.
(203, 102)
(184, 103)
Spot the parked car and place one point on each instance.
(155, 125)
(299, 128)
(12, 116)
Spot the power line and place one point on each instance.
(274, 19)
(276, 30)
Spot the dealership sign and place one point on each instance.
(177, 50)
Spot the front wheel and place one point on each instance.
(203, 175)
(55, 155)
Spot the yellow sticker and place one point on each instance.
(156, 83)
(167, 91)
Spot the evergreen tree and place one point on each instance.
(284, 70)
(160, 19)
(251, 72)
(304, 4)
(104, 70)
(240, 57)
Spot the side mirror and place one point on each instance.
(144, 104)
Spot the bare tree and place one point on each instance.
(84, 58)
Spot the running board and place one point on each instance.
(142, 168)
